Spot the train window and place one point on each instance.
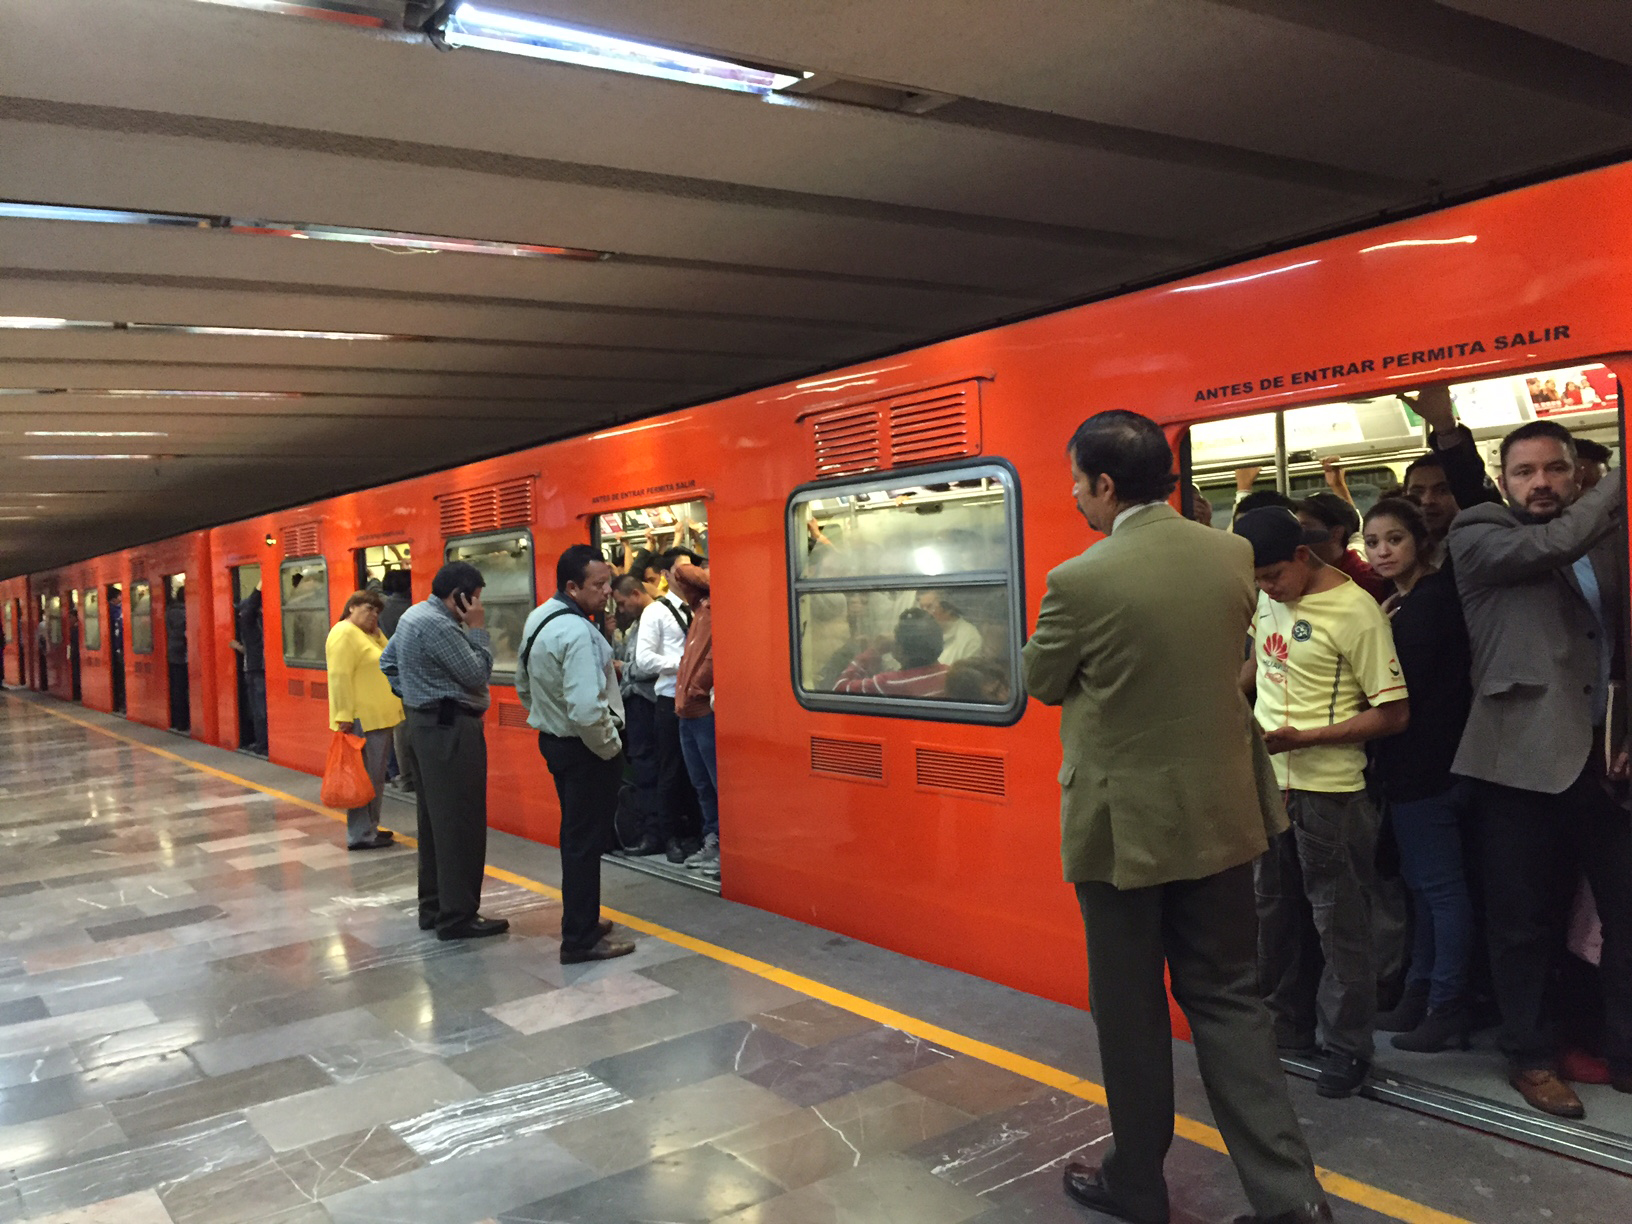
(373, 564)
(303, 601)
(906, 595)
(506, 561)
(141, 618)
(53, 624)
(10, 625)
(622, 535)
(91, 622)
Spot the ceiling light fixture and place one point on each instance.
(469, 25)
(94, 433)
(90, 456)
(32, 323)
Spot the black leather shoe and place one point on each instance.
(605, 949)
(427, 924)
(1083, 1185)
(1341, 1074)
(476, 928)
(603, 929)
(1309, 1213)
(645, 847)
(379, 840)
(681, 848)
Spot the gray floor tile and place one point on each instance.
(58, 1140)
(735, 1048)
(691, 1186)
(891, 1190)
(488, 1121)
(33, 1067)
(285, 1041)
(206, 1098)
(19, 1010)
(822, 1072)
(1002, 1155)
(116, 1084)
(292, 1120)
(154, 922)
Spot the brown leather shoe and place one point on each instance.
(1309, 1213)
(606, 949)
(1546, 1092)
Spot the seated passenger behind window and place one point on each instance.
(918, 645)
(982, 681)
(1330, 514)
(962, 640)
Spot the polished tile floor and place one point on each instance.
(210, 1012)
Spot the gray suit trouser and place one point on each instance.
(452, 799)
(1205, 933)
(363, 822)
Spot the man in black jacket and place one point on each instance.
(1451, 476)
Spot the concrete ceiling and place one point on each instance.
(1076, 147)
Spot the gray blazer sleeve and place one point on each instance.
(1489, 547)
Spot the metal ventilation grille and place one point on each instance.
(297, 688)
(512, 715)
(490, 508)
(964, 773)
(925, 426)
(301, 540)
(843, 758)
(320, 689)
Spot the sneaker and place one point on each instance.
(1341, 1074)
(710, 853)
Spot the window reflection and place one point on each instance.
(303, 600)
(92, 621)
(141, 618)
(506, 562)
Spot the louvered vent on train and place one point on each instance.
(490, 508)
(924, 426)
(302, 540)
(512, 714)
(962, 773)
(847, 758)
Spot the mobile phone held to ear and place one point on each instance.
(462, 602)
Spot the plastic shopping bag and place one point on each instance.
(346, 783)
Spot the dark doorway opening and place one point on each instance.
(249, 649)
(73, 643)
(116, 643)
(175, 651)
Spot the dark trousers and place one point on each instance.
(675, 812)
(640, 747)
(255, 686)
(452, 801)
(1536, 848)
(1204, 932)
(1429, 834)
(587, 787)
(181, 717)
(1315, 953)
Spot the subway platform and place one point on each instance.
(210, 1012)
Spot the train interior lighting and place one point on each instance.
(470, 25)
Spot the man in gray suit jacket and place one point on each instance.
(1543, 583)
(1167, 796)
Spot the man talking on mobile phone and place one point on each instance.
(439, 662)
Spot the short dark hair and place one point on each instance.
(1407, 514)
(396, 582)
(372, 598)
(573, 564)
(1431, 459)
(627, 584)
(644, 560)
(1588, 451)
(1263, 498)
(1131, 449)
(1332, 510)
(1539, 429)
(457, 577)
(675, 555)
(918, 639)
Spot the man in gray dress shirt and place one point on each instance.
(439, 661)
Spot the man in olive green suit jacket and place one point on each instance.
(1166, 799)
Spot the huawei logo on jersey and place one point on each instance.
(1275, 647)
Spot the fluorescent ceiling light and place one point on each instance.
(90, 456)
(36, 323)
(94, 433)
(127, 393)
(270, 333)
(1464, 240)
(472, 26)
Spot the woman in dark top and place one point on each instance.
(1426, 800)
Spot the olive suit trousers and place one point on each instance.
(1205, 933)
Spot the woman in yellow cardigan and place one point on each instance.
(361, 702)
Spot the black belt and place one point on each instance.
(448, 709)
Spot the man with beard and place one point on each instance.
(1542, 581)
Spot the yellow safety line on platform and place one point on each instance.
(1340, 1186)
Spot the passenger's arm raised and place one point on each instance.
(1492, 551)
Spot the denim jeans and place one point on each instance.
(697, 743)
(1430, 838)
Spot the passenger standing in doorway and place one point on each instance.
(566, 679)
(439, 662)
(1542, 581)
(42, 637)
(1451, 476)
(675, 820)
(1327, 680)
(398, 589)
(175, 653)
(1166, 800)
(637, 686)
(361, 703)
(1591, 462)
(694, 706)
(251, 644)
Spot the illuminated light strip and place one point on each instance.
(1363, 1194)
(1241, 280)
(389, 239)
(39, 323)
(513, 34)
(614, 433)
(72, 457)
(291, 8)
(1465, 239)
(94, 433)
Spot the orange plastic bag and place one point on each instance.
(346, 783)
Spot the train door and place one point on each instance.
(249, 651)
(47, 634)
(116, 643)
(376, 563)
(13, 621)
(73, 642)
(175, 651)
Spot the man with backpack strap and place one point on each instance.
(566, 680)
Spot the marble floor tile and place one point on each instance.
(995, 1155)
(296, 1119)
(812, 1022)
(890, 1190)
(971, 1085)
(143, 1207)
(99, 953)
(498, 1117)
(285, 1040)
(553, 1009)
(58, 1139)
(207, 1098)
(166, 1037)
(53, 1031)
(691, 1186)
(333, 1166)
(648, 952)
(823, 1072)
(729, 989)
(272, 837)
(33, 1067)
(115, 1084)
(19, 1010)
(349, 1061)
(668, 1122)
(735, 1048)
(155, 922)
(480, 1186)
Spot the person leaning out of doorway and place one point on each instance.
(361, 702)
